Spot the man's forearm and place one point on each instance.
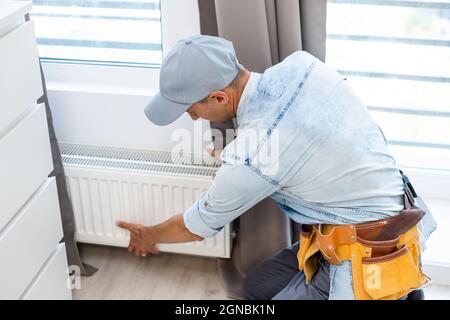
(172, 230)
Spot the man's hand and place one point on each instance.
(215, 153)
(139, 241)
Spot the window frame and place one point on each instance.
(178, 20)
(399, 148)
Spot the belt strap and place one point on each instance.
(410, 193)
(406, 219)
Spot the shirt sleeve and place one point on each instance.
(234, 190)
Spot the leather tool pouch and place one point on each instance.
(381, 269)
(308, 255)
(386, 259)
(387, 269)
(384, 254)
(391, 276)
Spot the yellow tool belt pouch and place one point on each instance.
(381, 270)
(308, 254)
(388, 276)
(384, 254)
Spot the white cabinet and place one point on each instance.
(25, 162)
(19, 67)
(52, 282)
(33, 263)
(28, 240)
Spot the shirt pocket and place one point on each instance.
(271, 87)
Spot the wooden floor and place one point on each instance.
(122, 275)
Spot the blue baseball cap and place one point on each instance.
(195, 67)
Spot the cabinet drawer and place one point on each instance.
(12, 14)
(25, 162)
(28, 241)
(20, 77)
(52, 281)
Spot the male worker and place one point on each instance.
(328, 169)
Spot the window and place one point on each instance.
(109, 46)
(99, 32)
(396, 55)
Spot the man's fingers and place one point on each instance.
(143, 253)
(153, 249)
(123, 224)
(214, 153)
(128, 226)
(140, 252)
(211, 152)
(137, 245)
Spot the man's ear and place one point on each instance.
(219, 96)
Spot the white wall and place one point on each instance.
(114, 120)
(104, 105)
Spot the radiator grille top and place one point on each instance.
(137, 159)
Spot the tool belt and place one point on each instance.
(384, 254)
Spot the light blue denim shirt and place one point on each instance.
(305, 139)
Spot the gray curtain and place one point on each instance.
(67, 217)
(263, 33)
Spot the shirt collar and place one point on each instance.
(249, 89)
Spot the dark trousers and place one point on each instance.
(279, 278)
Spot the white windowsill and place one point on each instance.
(101, 79)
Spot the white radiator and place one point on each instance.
(108, 184)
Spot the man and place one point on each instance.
(320, 156)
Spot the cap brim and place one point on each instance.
(161, 111)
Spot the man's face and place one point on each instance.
(216, 108)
